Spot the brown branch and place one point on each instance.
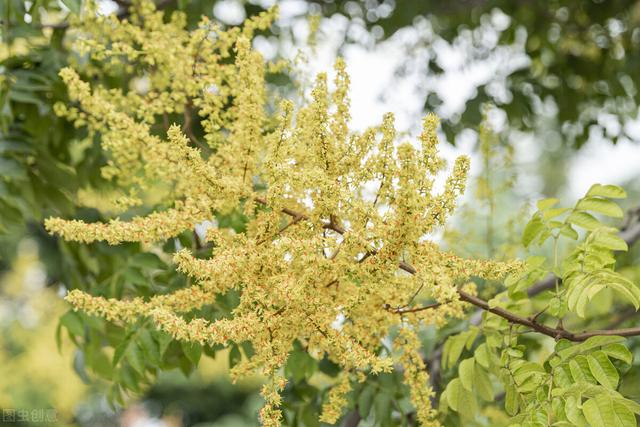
(556, 333)
(331, 283)
(404, 310)
(352, 419)
(295, 220)
(187, 127)
(327, 225)
(196, 240)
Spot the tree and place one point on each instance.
(581, 57)
(315, 261)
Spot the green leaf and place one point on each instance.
(611, 191)
(471, 335)
(234, 356)
(147, 260)
(583, 220)
(531, 231)
(561, 377)
(482, 355)
(573, 412)
(618, 351)
(466, 373)
(164, 339)
(72, 5)
(630, 404)
(120, 350)
(101, 366)
(527, 375)
(603, 411)
(135, 357)
(193, 351)
(589, 344)
(382, 407)
(309, 416)
(329, 368)
(25, 97)
(535, 261)
(135, 276)
(129, 378)
(459, 399)
(72, 321)
(552, 213)
(582, 287)
(546, 203)
(577, 372)
(623, 286)
(300, 365)
(568, 231)
(453, 349)
(602, 206)
(577, 296)
(149, 346)
(59, 337)
(610, 241)
(482, 384)
(365, 401)
(557, 307)
(603, 370)
(114, 395)
(511, 399)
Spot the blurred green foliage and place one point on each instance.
(584, 58)
(584, 55)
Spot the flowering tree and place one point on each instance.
(318, 258)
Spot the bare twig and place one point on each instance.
(187, 127)
(404, 310)
(557, 332)
(352, 419)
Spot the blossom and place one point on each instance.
(316, 246)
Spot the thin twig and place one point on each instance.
(404, 310)
(188, 126)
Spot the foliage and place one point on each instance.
(575, 384)
(583, 56)
(314, 270)
(31, 314)
(277, 299)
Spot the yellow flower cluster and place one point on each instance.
(332, 409)
(415, 376)
(319, 260)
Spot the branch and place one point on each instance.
(352, 419)
(330, 225)
(547, 283)
(404, 310)
(556, 333)
(187, 127)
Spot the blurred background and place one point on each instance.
(556, 81)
